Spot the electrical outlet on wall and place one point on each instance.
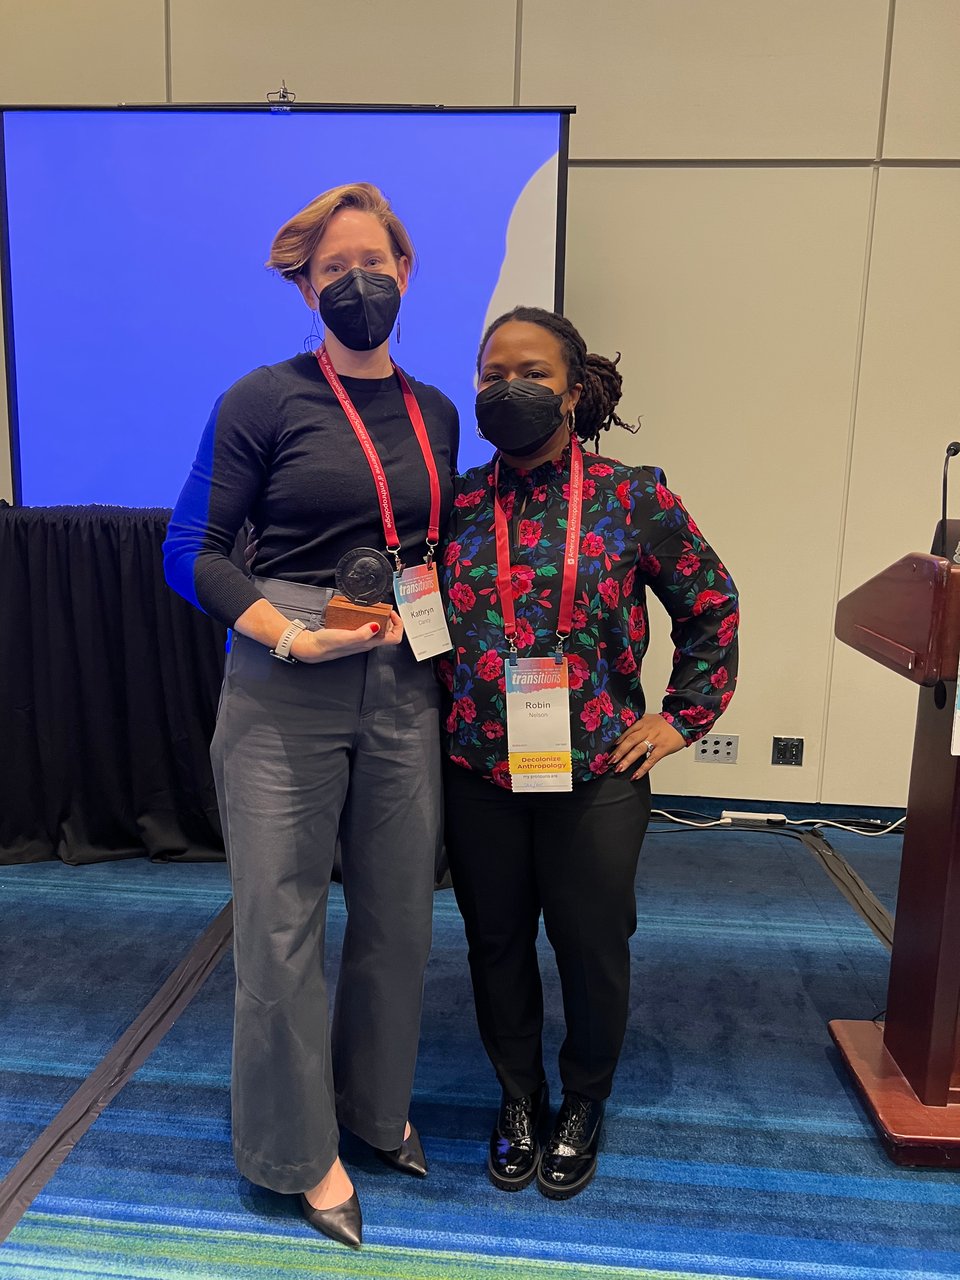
(787, 751)
(717, 748)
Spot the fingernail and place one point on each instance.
(376, 627)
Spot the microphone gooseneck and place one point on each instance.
(953, 448)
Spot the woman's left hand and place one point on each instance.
(648, 741)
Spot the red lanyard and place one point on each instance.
(570, 556)
(376, 466)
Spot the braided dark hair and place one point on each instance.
(599, 377)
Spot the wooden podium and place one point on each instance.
(908, 1073)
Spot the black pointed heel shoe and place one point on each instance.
(569, 1159)
(515, 1140)
(408, 1157)
(343, 1223)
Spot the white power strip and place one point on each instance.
(764, 819)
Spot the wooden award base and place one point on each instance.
(343, 615)
(912, 1133)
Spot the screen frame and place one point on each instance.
(266, 108)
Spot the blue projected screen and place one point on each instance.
(137, 292)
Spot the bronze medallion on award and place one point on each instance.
(363, 577)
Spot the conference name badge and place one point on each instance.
(538, 724)
(417, 592)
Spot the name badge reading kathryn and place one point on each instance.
(421, 608)
(538, 724)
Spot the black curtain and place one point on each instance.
(108, 692)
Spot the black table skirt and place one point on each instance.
(108, 692)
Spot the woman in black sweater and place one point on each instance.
(324, 734)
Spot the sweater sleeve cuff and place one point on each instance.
(692, 722)
(224, 591)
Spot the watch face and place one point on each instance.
(364, 575)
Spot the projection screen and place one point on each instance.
(133, 281)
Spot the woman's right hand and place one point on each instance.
(330, 643)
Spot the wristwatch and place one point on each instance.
(282, 651)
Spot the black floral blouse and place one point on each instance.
(635, 534)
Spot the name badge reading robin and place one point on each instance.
(421, 608)
(538, 724)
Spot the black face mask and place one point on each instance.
(360, 308)
(518, 417)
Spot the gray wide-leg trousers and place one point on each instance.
(304, 754)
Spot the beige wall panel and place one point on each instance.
(709, 78)
(734, 296)
(908, 410)
(423, 51)
(923, 105)
(81, 51)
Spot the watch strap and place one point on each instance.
(282, 650)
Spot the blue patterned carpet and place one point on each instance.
(82, 950)
(734, 1144)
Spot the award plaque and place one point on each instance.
(363, 577)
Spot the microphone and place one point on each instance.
(953, 448)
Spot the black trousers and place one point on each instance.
(573, 857)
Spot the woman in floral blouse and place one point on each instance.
(571, 855)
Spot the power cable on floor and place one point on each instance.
(762, 822)
(856, 891)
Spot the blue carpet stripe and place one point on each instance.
(168, 1251)
(39, 1115)
(698, 1259)
(834, 1118)
(145, 898)
(50, 1066)
(906, 1191)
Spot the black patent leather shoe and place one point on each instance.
(569, 1159)
(515, 1140)
(408, 1157)
(343, 1222)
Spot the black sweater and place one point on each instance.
(278, 450)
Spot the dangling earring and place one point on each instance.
(314, 338)
(573, 421)
(398, 328)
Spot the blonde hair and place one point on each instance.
(295, 242)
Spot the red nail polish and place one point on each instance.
(376, 627)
